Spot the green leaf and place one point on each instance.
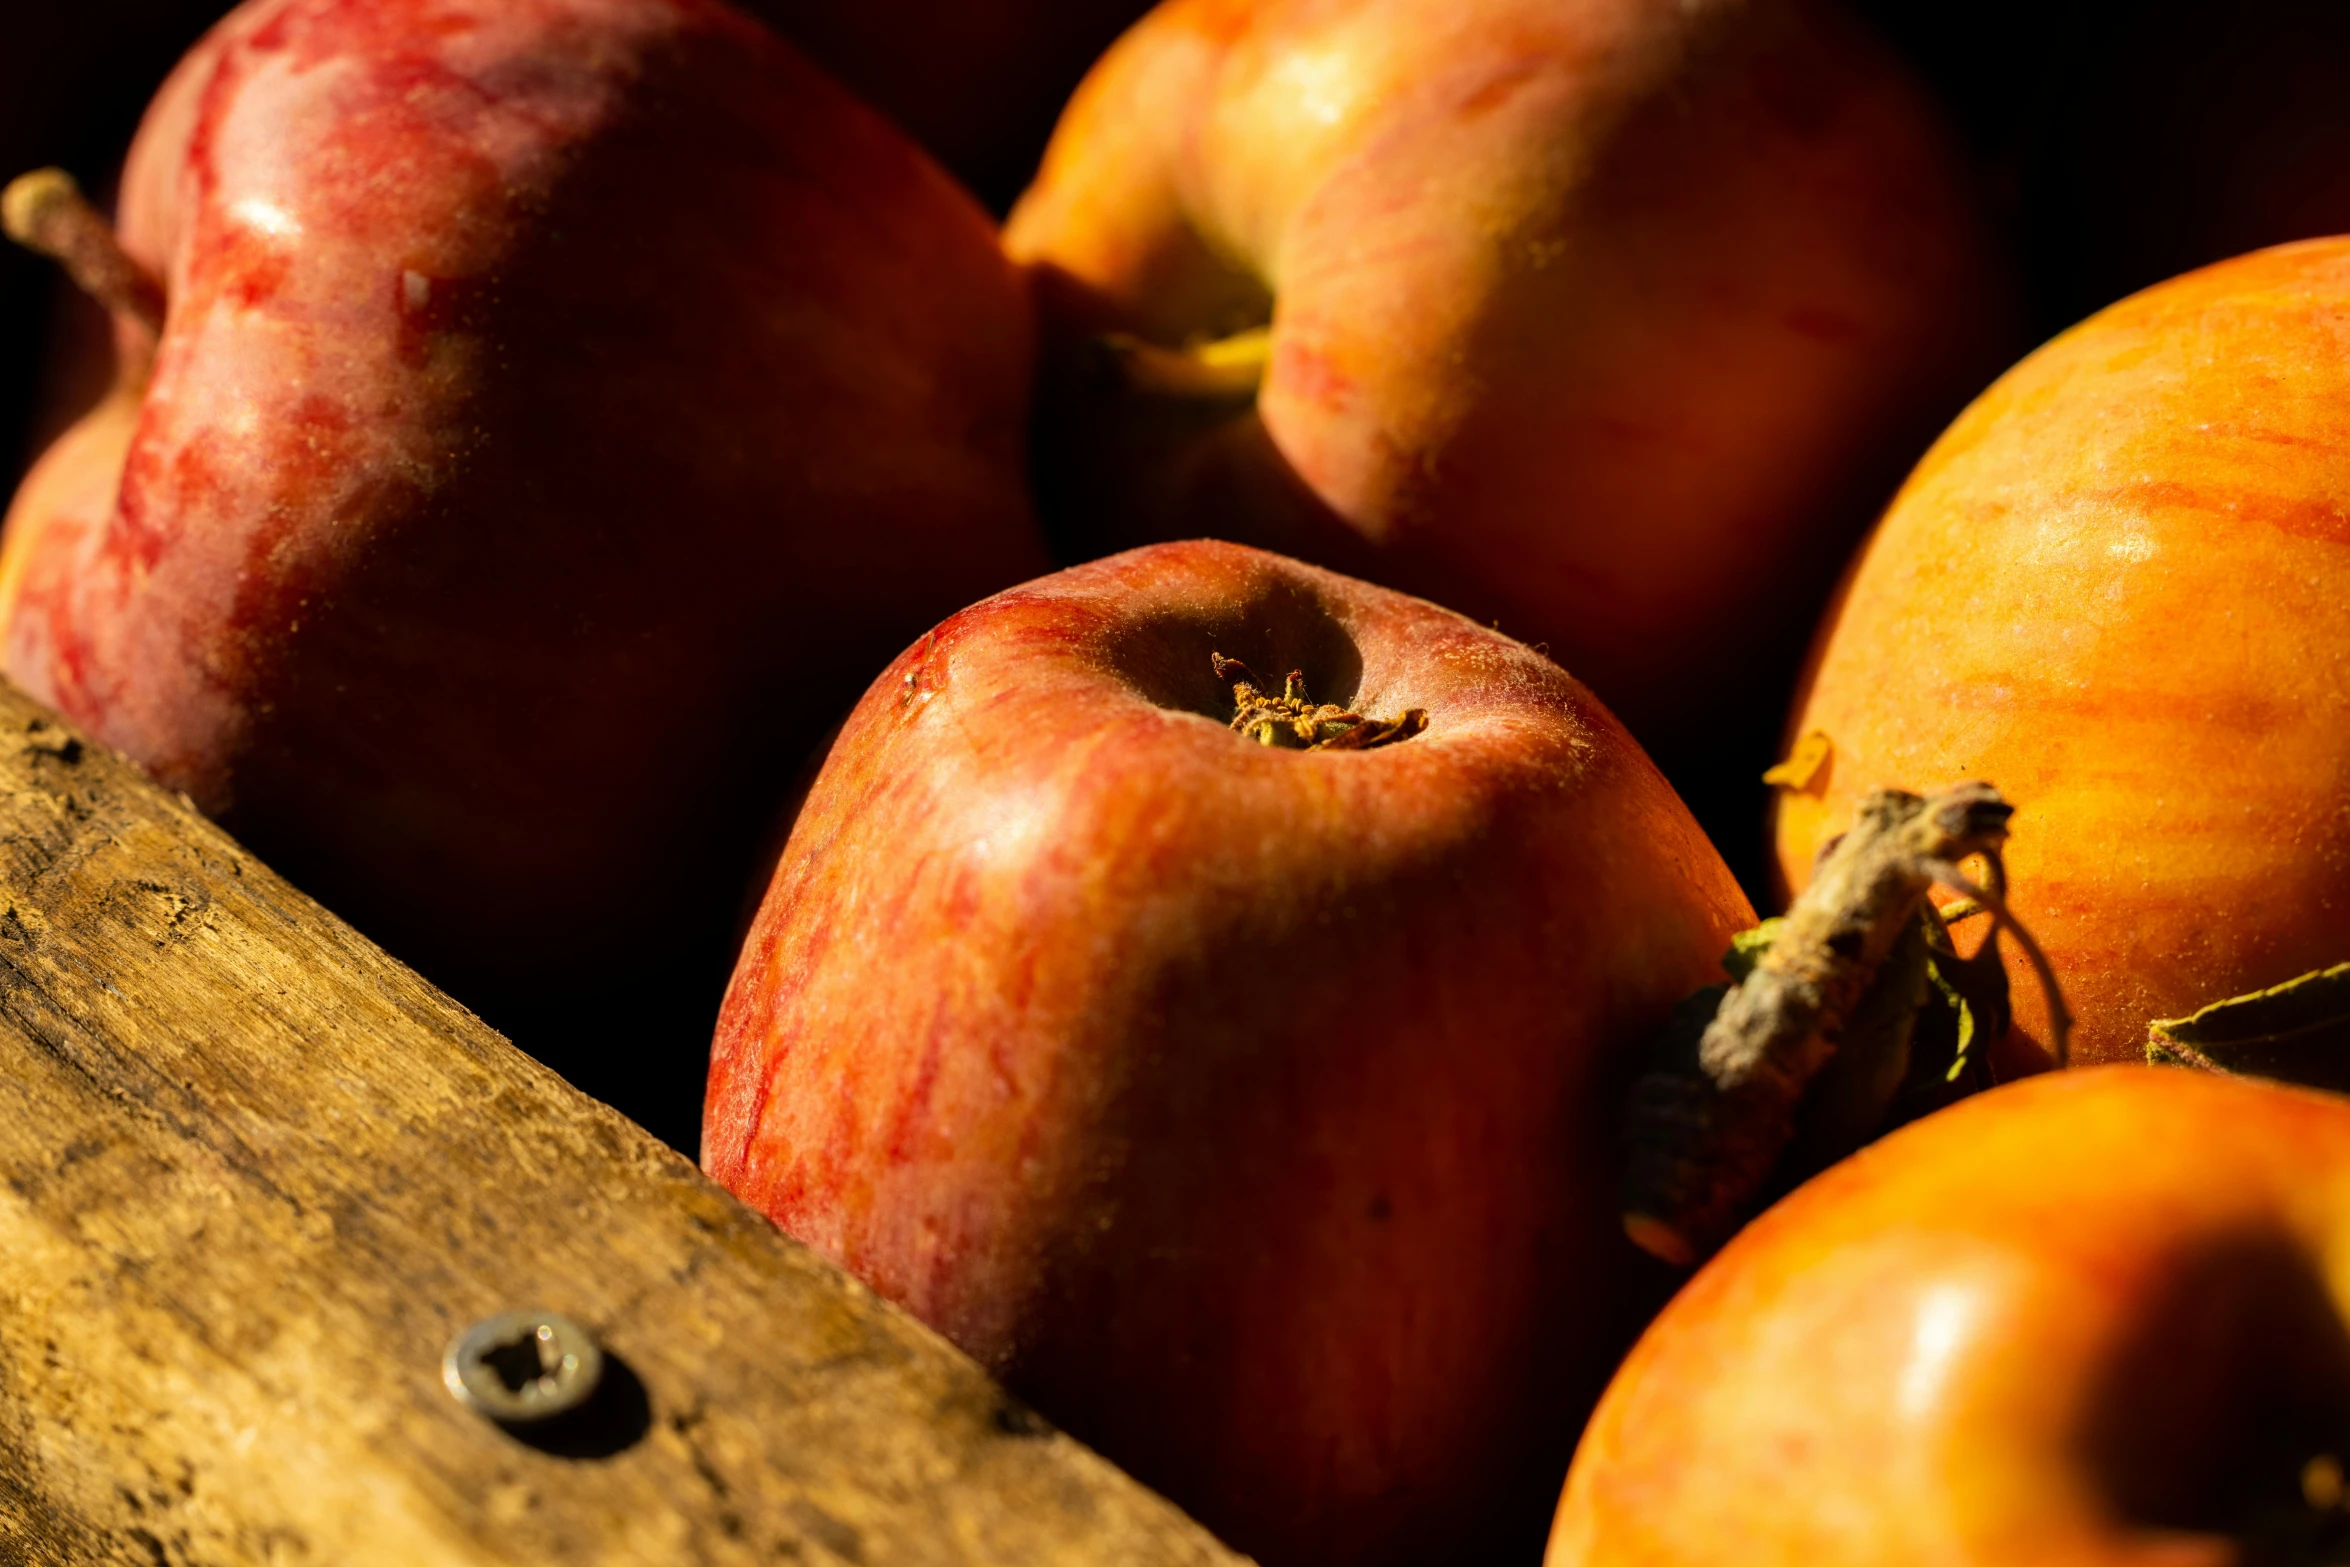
(1944, 970)
(1977, 988)
(1747, 948)
(2297, 1032)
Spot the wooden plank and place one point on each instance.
(255, 1175)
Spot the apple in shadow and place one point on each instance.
(537, 421)
(1607, 321)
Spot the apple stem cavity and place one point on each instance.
(1294, 721)
(1846, 975)
(45, 211)
(1221, 370)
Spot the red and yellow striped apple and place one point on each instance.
(2120, 586)
(1252, 1111)
(1608, 318)
(2092, 1319)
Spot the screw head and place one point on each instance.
(522, 1366)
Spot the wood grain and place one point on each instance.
(254, 1175)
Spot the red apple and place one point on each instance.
(1252, 1111)
(2092, 1319)
(561, 408)
(1608, 318)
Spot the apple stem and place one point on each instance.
(45, 211)
(1994, 899)
(1706, 1134)
(1293, 721)
(1226, 370)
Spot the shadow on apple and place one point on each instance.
(2238, 1374)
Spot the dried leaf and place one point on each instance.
(2297, 1032)
(1804, 763)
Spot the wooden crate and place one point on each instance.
(254, 1177)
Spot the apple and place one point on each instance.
(1609, 320)
(2095, 1317)
(977, 85)
(560, 409)
(1252, 1111)
(558, 414)
(2120, 586)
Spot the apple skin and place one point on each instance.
(2082, 1319)
(1611, 319)
(2119, 588)
(1252, 1112)
(563, 406)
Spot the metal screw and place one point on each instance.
(522, 1366)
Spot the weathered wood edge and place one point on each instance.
(254, 1175)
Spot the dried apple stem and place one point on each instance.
(1296, 722)
(45, 211)
(1228, 369)
(1704, 1136)
(1994, 901)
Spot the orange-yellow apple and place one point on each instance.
(560, 408)
(2092, 1319)
(1610, 319)
(2120, 586)
(1252, 1111)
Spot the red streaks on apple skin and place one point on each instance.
(910, 1132)
(2301, 516)
(136, 541)
(323, 34)
(2246, 714)
(1505, 82)
(1310, 375)
(251, 270)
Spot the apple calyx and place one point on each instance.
(2308, 1529)
(1294, 721)
(46, 212)
(1218, 370)
(2297, 1032)
(1815, 1038)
